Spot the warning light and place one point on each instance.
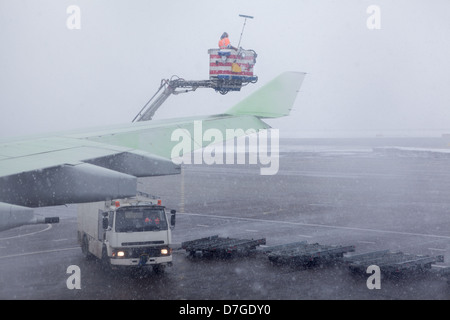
(117, 203)
(159, 202)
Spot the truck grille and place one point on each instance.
(142, 243)
(137, 252)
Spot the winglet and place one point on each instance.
(273, 100)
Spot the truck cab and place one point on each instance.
(132, 232)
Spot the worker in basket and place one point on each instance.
(224, 42)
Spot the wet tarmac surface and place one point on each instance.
(330, 192)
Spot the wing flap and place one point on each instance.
(74, 153)
(137, 163)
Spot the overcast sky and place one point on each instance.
(377, 81)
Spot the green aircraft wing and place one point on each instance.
(104, 163)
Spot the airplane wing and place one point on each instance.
(104, 163)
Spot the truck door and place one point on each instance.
(102, 215)
(101, 231)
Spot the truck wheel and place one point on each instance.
(159, 269)
(105, 261)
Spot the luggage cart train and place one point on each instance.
(310, 255)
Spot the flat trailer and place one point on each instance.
(392, 263)
(221, 247)
(306, 254)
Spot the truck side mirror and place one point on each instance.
(172, 218)
(105, 223)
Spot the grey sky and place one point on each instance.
(396, 78)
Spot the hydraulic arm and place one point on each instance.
(229, 70)
(179, 85)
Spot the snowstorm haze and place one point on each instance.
(360, 81)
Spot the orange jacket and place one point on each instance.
(224, 43)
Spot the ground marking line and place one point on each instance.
(321, 226)
(49, 226)
(38, 252)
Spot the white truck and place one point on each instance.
(127, 232)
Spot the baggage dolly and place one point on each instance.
(305, 254)
(221, 247)
(392, 263)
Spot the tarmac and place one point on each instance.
(328, 191)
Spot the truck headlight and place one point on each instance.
(118, 254)
(165, 251)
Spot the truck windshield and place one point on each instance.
(140, 219)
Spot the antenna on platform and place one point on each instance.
(245, 21)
